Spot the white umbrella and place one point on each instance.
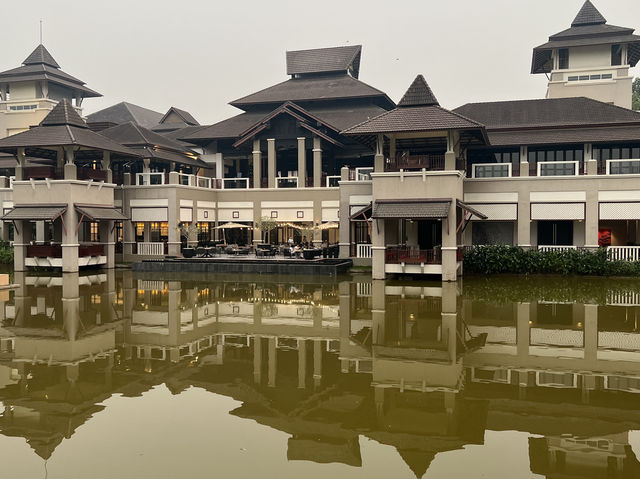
(230, 226)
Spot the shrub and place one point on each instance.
(501, 259)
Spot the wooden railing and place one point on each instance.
(90, 250)
(398, 255)
(44, 251)
(91, 174)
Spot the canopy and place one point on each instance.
(412, 209)
(93, 213)
(36, 213)
(231, 226)
(328, 226)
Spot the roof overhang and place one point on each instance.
(471, 211)
(97, 213)
(415, 209)
(35, 212)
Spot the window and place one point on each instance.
(274, 214)
(22, 107)
(616, 54)
(631, 167)
(93, 233)
(497, 170)
(563, 58)
(139, 232)
(235, 215)
(299, 214)
(557, 168)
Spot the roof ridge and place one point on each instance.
(471, 120)
(368, 120)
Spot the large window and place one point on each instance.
(616, 54)
(563, 58)
(571, 160)
(485, 159)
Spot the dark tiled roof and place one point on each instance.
(34, 69)
(588, 15)
(63, 114)
(178, 134)
(418, 94)
(151, 144)
(125, 112)
(48, 212)
(307, 89)
(564, 136)
(186, 117)
(100, 213)
(547, 113)
(414, 209)
(421, 118)
(41, 55)
(588, 28)
(229, 128)
(324, 60)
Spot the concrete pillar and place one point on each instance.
(317, 362)
(302, 163)
(392, 148)
(450, 155)
(70, 169)
(378, 249)
(271, 162)
(146, 165)
(107, 234)
(523, 329)
(173, 242)
(378, 160)
(106, 166)
(317, 162)
(591, 332)
(71, 305)
(317, 220)
(524, 221)
(302, 363)
(40, 232)
(20, 156)
(21, 239)
(70, 238)
(591, 219)
(450, 246)
(257, 164)
(524, 161)
(257, 359)
(378, 311)
(273, 363)
(174, 178)
(590, 164)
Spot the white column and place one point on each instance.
(106, 166)
(317, 162)
(378, 162)
(257, 164)
(590, 164)
(70, 169)
(450, 155)
(524, 161)
(271, 162)
(302, 162)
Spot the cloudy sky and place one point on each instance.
(200, 54)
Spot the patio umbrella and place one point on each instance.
(230, 226)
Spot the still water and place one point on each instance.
(119, 375)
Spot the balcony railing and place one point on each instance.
(149, 179)
(400, 255)
(91, 174)
(363, 251)
(90, 250)
(492, 170)
(287, 182)
(55, 250)
(623, 253)
(196, 181)
(548, 248)
(149, 249)
(235, 183)
(623, 167)
(558, 168)
(332, 181)
(416, 162)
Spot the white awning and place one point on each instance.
(557, 211)
(497, 211)
(139, 215)
(620, 211)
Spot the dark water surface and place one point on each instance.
(117, 375)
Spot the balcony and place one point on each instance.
(287, 182)
(622, 167)
(404, 255)
(235, 183)
(151, 179)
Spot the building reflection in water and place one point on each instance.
(425, 369)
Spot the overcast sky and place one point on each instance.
(200, 54)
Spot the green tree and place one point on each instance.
(266, 225)
(635, 89)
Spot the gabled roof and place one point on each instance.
(124, 112)
(62, 128)
(418, 94)
(40, 65)
(325, 60)
(552, 112)
(63, 114)
(588, 15)
(186, 117)
(41, 55)
(588, 28)
(314, 89)
(150, 144)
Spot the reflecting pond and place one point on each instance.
(124, 375)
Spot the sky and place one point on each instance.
(199, 55)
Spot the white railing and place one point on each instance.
(558, 168)
(623, 298)
(363, 289)
(547, 248)
(147, 179)
(332, 181)
(196, 181)
(364, 174)
(623, 167)
(287, 182)
(363, 251)
(151, 249)
(624, 253)
(235, 183)
(491, 170)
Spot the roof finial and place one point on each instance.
(41, 31)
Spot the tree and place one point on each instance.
(635, 97)
(267, 225)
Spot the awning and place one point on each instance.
(363, 214)
(95, 213)
(471, 210)
(35, 213)
(411, 209)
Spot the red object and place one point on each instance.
(604, 237)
